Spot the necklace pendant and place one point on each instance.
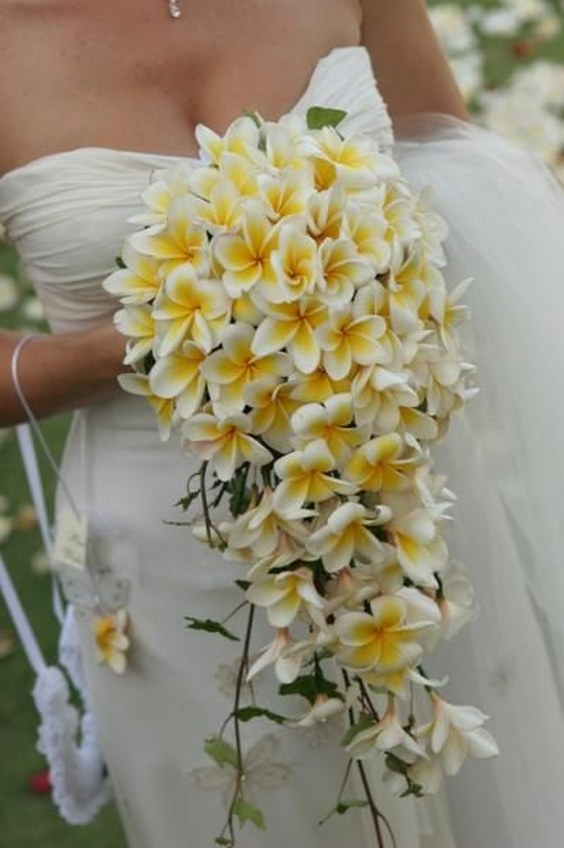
(174, 9)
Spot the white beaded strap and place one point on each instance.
(32, 419)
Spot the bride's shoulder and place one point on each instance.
(412, 71)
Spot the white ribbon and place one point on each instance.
(20, 620)
(81, 785)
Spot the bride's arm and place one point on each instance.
(412, 71)
(60, 372)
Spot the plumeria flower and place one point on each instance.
(368, 232)
(331, 421)
(422, 606)
(138, 324)
(292, 326)
(284, 595)
(286, 667)
(295, 264)
(180, 242)
(406, 293)
(456, 732)
(325, 707)
(226, 442)
(356, 159)
(427, 773)
(342, 270)
(381, 640)
(231, 368)
(260, 527)
(165, 184)
(325, 211)
(347, 535)
(138, 384)
(417, 424)
(220, 211)
(288, 551)
(396, 682)
(179, 377)
(242, 137)
(202, 181)
(449, 313)
(372, 299)
(305, 477)
(400, 213)
(421, 550)
(345, 339)
(280, 142)
(245, 310)
(347, 591)
(447, 386)
(190, 309)
(285, 194)
(317, 385)
(387, 575)
(434, 228)
(240, 172)
(459, 604)
(111, 641)
(378, 396)
(380, 464)
(246, 257)
(272, 407)
(384, 735)
(140, 282)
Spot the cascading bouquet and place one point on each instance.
(287, 314)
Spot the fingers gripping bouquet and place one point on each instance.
(287, 315)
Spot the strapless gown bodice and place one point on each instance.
(67, 213)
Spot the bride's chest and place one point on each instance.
(128, 75)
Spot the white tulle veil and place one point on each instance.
(504, 457)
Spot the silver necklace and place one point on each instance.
(174, 9)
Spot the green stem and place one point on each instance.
(206, 509)
(238, 689)
(375, 812)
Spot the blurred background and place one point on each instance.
(508, 58)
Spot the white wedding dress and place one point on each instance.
(67, 214)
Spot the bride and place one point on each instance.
(111, 92)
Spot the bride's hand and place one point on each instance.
(59, 372)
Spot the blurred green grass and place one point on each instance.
(27, 819)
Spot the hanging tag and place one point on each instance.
(70, 539)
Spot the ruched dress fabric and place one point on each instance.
(67, 214)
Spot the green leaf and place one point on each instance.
(394, 763)
(364, 722)
(186, 502)
(309, 686)
(221, 840)
(343, 807)
(120, 263)
(319, 117)
(243, 584)
(247, 812)
(248, 713)
(240, 494)
(210, 626)
(221, 752)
